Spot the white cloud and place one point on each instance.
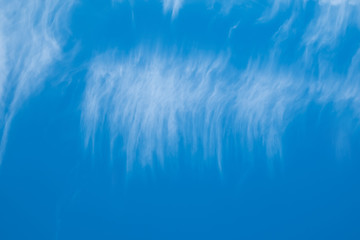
(330, 22)
(30, 41)
(158, 102)
(154, 103)
(173, 6)
(326, 29)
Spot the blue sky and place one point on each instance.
(179, 119)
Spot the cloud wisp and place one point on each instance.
(31, 38)
(153, 103)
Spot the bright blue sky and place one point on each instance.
(179, 119)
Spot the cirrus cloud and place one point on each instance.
(31, 39)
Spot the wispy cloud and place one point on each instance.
(31, 37)
(153, 103)
(173, 6)
(331, 20)
(316, 30)
(157, 103)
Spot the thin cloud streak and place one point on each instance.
(31, 38)
(158, 103)
(330, 23)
